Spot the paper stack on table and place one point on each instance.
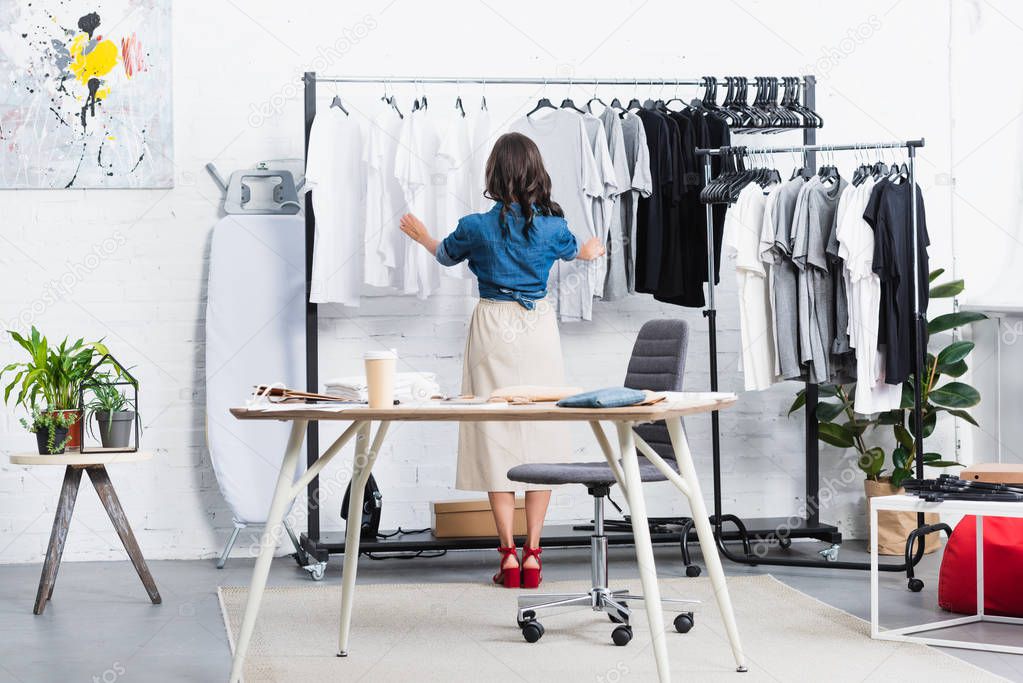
(408, 386)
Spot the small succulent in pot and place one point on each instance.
(51, 430)
(113, 413)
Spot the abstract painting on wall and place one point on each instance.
(85, 94)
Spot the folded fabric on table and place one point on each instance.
(408, 386)
(532, 393)
(611, 397)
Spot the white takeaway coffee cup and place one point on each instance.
(380, 369)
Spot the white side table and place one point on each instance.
(913, 634)
(94, 464)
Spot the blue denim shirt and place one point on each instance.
(508, 265)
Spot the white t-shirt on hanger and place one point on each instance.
(385, 201)
(575, 183)
(482, 143)
(415, 168)
(335, 176)
(743, 223)
(455, 169)
(856, 247)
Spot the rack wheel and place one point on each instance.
(622, 635)
(916, 585)
(316, 571)
(692, 571)
(784, 542)
(684, 622)
(830, 554)
(527, 616)
(532, 631)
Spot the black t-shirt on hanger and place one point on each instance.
(685, 243)
(889, 213)
(650, 212)
(718, 136)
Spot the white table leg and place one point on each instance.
(644, 549)
(267, 544)
(980, 566)
(362, 465)
(706, 536)
(875, 617)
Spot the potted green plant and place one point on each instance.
(841, 426)
(112, 413)
(52, 375)
(51, 430)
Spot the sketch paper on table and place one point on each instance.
(85, 94)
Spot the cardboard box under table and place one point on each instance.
(472, 519)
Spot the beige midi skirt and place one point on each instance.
(509, 345)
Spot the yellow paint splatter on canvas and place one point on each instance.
(98, 61)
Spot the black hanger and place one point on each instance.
(336, 102)
(567, 103)
(393, 102)
(458, 105)
(544, 103)
(616, 104)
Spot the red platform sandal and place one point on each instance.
(531, 576)
(510, 577)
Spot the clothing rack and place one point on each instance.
(771, 529)
(316, 545)
(502, 80)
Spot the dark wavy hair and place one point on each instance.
(516, 174)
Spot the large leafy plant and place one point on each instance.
(53, 374)
(941, 392)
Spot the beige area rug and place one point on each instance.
(467, 632)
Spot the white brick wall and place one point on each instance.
(237, 100)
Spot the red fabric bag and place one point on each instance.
(1003, 567)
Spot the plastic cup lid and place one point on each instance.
(391, 354)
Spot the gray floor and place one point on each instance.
(100, 627)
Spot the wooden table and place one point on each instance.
(626, 471)
(95, 465)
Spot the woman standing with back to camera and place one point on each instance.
(513, 335)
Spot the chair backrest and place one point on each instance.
(658, 363)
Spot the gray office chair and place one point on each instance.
(657, 363)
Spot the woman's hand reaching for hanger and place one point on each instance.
(593, 248)
(414, 228)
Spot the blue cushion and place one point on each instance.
(611, 397)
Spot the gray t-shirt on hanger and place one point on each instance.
(785, 278)
(615, 284)
(637, 154)
(812, 227)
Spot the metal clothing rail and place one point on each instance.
(860, 146)
(317, 546)
(517, 80)
(812, 447)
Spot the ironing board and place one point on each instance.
(255, 333)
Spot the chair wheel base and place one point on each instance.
(532, 631)
(621, 635)
(692, 571)
(916, 585)
(684, 622)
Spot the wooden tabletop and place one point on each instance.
(677, 405)
(80, 459)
